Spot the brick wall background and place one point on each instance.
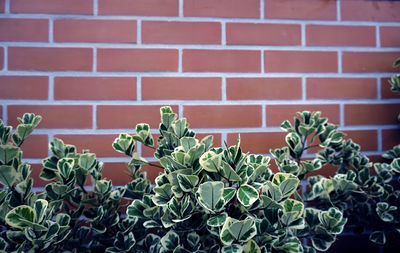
(95, 68)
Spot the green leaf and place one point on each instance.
(8, 175)
(378, 237)
(252, 247)
(292, 210)
(124, 144)
(228, 194)
(287, 183)
(217, 221)
(229, 173)
(207, 141)
(247, 195)
(187, 182)
(180, 127)
(170, 241)
(209, 194)
(40, 209)
(87, 161)
(210, 161)
(8, 153)
(234, 248)
(272, 191)
(188, 143)
(21, 217)
(243, 230)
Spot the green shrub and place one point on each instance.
(205, 200)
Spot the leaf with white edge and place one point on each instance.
(247, 195)
(193, 239)
(292, 205)
(228, 173)
(3, 244)
(209, 194)
(251, 247)
(228, 194)
(269, 203)
(330, 218)
(272, 191)
(87, 161)
(396, 165)
(210, 161)
(187, 182)
(243, 230)
(21, 217)
(188, 143)
(124, 144)
(289, 245)
(234, 248)
(8, 175)
(170, 241)
(40, 209)
(207, 141)
(225, 235)
(217, 221)
(287, 183)
(8, 153)
(322, 239)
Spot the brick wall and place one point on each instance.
(95, 68)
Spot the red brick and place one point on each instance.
(121, 116)
(386, 91)
(95, 88)
(223, 116)
(258, 143)
(262, 34)
(24, 87)
(52, 6)
(181, 88)
(371, 114)
(171, 32)
(300, 61)
(390, 36)
(301, 9)
(35, 173)
(276, 114)
(370, 10)
(263, 88)
(100, 144)
(149, 152)
(369, 61)
(23, 29)
(83, 30)
(367, 139)
(198, 60)
(54, 116)
(341, 88)
(35, 146)
(327, 171)
(137, 59)
(49, 58)
(222, 8)
(340, 35)
(139, 7)
(390, 138)
(2, 5)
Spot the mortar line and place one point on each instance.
(94, 117)
(262, 61)
(95, 7)
(51, 88)
(180, 60)
(7, 8)
(263, 116)
(342, 116)
(223, 89)
(94, 59)
(223, 33)
(338, 10)
(303, 35)
(378, 36)
(5, 59)
(378, 88)
(51, 30)
(139, 88)
(181, 8)
(262, 6)
(303, 89)
(5, 114)
(379, 140)
(139, 32)
(340, 61)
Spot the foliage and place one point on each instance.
(222, 200)
(369, 201)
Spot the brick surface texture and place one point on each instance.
(96, 68)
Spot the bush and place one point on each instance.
(206, 200)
